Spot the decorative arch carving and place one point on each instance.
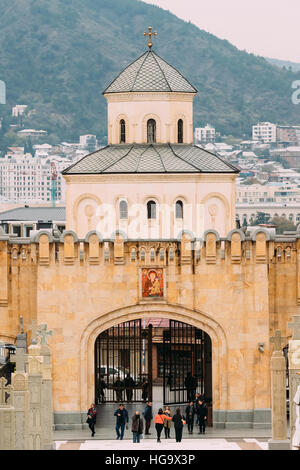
(213, 211)
(88, 215)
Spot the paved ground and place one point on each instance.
(169, 444)
(214, 439)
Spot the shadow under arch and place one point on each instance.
(192, 317)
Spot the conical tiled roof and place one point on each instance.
(150, 73)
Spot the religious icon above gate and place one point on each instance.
(152, 283)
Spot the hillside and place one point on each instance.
(295, 66)
(59, 56)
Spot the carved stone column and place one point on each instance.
(35, 379)
(279, 439)
(47, 407)
(20, 395)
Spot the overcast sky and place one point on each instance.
(270, 28)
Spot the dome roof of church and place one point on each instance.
(150, 73)
(150, 158)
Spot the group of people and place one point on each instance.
(120, 386)
(164, 420)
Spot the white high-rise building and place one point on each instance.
(29, 180)
(205, 134)
(265, 131)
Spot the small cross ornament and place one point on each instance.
(43, 333)
(150, 34)
(33, 328)
(277, 339)
(295, 327)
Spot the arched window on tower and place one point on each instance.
(151, 131)
(180, 131)
(151, 210)
(123, 210)
(179, 210)
(122, 132)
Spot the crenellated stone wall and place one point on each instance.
(238, 289)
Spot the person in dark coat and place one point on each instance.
(122, 420)
(145, 389)
(191, 386)
(119, 387)
(102, 387)
(137, 427)
(201, 411)
(190, 415)
(178, 420)
(129, 385)
(91, 418)
(148, 416)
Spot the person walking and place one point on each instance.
(167, 422)
(121, 421)
(201, 411)
(190, 416)
(178, 420)
(159, 422)
(148, 416)
(129, 384)
(197, 398)
(137, 427)
(91, 418)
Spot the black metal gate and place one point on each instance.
(187, 363)
(123, 363)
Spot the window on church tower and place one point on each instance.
(179, 210)
(122, 131)
(180, 131)
(123, 210)
(151, 210)
(151, 131)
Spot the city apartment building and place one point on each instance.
(265, 132)
(205, 134)
(289, 135)
(28, 180)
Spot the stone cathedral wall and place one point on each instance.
(238, 289)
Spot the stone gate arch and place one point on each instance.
(192, 317)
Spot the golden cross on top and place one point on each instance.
(150, 34)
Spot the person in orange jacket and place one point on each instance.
(159, 422)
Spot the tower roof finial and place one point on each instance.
(150, 34)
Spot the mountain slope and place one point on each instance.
(59, 56)
(295, 66)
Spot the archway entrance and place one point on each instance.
(155, 359)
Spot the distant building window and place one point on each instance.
(180, 131)
(123, 210)
(122, 132)
(179, 210)
(151, 210)
(151, 131)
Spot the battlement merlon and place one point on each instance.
(44, 249)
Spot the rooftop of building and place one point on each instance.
(150, 73)
(150, 158)
(34, 214)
